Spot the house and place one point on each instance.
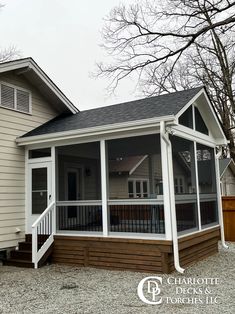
(129, 186)
(227, 176)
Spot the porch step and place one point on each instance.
(27, 246)
(18, 263)
(41, 238)
(23, 256)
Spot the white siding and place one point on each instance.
(228, 183)
(12, 169)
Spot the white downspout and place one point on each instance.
(220, 208)
(172, 200)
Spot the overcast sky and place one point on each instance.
(63, 37)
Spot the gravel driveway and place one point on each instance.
(64, 289)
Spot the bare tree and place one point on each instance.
(10, 53)
(175, 44)
(202, 66)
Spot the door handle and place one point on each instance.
(49, 197)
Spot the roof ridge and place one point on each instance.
(141, 99)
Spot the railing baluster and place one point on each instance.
(42, 234)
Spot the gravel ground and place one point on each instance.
(64, 289)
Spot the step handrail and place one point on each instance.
(37, 254)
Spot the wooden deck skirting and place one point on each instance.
(154, 256)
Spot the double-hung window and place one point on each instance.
(179, 184)
(12, 97)
(138, 188)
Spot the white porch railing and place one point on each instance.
(85, 216)
(43, 231)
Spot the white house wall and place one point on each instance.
(228, 183)
(12, 160)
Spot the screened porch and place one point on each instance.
(122, 193)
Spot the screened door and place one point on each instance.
(39, 190)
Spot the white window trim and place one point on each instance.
(178, 178)
(15, 97)
(141, 180)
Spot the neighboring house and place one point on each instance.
(227, 176)
(127, 186)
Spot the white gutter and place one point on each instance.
(172, 200)
(220, 208)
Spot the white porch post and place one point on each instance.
(169, 193)
(166, 188)
(53, 188)
(104, 188)
(194, 172)
(27, 209)
(219, 200)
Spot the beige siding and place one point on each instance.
(118, 184)
(12, 169)
(118, 187)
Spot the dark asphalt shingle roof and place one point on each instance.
(158, 106)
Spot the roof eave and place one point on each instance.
(94, 131)
(31, 64)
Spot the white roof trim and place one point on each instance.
(202, 91)
(191, 101)
(138, 164)
(100, 130)
(31, 64)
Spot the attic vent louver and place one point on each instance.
(15, 98)
(22, 103)
(7, 96)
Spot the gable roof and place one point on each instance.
(224, 164)
(126, 164)
(37, 77)
(146, 108)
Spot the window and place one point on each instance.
(40, 153)
(199, 123)
(138, 189)
(179, 185)
(15, 98)
(186, 118)
(196, 123)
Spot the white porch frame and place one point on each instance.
(180, 131)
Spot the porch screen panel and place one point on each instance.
(207, 185)
(185, 183)
(135, 178)
(134, 166)
(39, 190)
(79, 187)
(79, 172)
